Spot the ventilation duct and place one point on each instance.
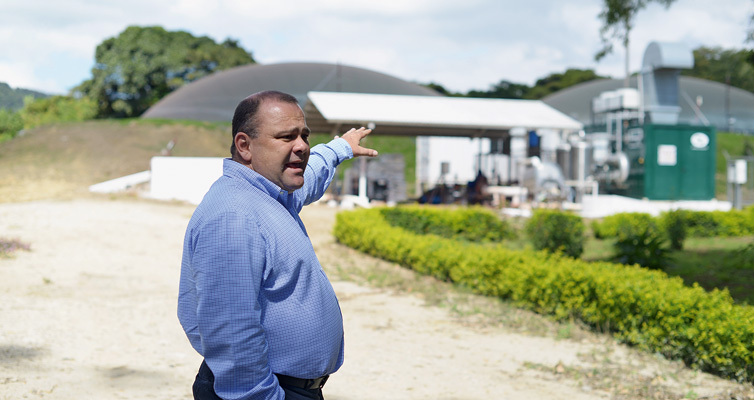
(659, 80)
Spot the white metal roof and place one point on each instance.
(434, 114)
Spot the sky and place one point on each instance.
(461, 44)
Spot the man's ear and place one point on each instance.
(243, 146)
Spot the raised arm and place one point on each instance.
(326, 157)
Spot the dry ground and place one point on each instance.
(89, 313)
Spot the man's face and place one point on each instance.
(281, 149)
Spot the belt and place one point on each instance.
(309, 384)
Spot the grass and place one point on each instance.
(714, 263)
(733, 143)
(62, 160)
(384, 144)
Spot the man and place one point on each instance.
(253, 299)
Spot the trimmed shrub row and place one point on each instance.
(475, 224)
(642, 307)
(683, 223)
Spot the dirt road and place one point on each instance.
(89, 313)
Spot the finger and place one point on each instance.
(363, 132)
(363, 151)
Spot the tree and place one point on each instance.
(555, 82)
(544, 86)
(440, 89)
(729, 66)
(617, 21)
(143, 64)
(502, 90)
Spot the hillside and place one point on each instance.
(13, 99)
(62, 160)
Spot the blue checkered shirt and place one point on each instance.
(253, 298)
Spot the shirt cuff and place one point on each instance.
(341, 148)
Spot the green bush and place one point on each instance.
(57, 109)
(474, 224)
(556, 231)
(10, 123)
(642, 307)
(695, 223)
(643, 245)
(674, 224)
(612, 224)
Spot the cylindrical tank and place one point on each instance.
(581, 161)
(563, 158)
(542, 176)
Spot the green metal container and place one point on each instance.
(678, 164)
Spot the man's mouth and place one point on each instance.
(295, 165)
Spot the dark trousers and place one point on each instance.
(204, 388)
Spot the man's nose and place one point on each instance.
(300, 145)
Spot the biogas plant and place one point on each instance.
(634, 156)
(597, 148)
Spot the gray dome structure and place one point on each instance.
(718, 102)
(215, 97)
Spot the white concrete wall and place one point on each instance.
(184, 178)
(459, 152)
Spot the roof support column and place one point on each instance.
(363, 172)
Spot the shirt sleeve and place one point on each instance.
(229, 265)
(323, 161)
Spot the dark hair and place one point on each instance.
(245, 117)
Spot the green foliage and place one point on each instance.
(556, 231)
(732, 143)
(721, 223)
(641, 307)
(610, 225)
(674, 224)
(502, 90)
(744, 257)
(10, 123)
(544, 86)
(441, 89)
(474, 224)
(641, 244)
(617, 18)
(641, 237)
(555, 82)
(724, 66)
(696, 223)
(13, 99)
(57, 109)
(143, 64)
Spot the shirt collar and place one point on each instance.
(237, 170)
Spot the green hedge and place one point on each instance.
(645, 308)
(556, 231)
(475, 224)
(612, 224)
(696, 223)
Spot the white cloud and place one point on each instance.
(462, 45)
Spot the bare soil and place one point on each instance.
(90, 313)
